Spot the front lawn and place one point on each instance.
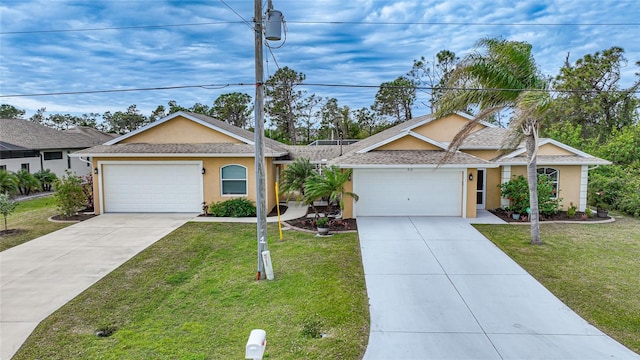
(193, 295)
(30, 219)
(593, 268)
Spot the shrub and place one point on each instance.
(7, 206)
(238, 207)
(572, 210)
(26, 182)
(8, 182)
(517, 191)
(322, 222)
(46, 178)
(87, 189)
(69, 194)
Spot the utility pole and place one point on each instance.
(259, 142)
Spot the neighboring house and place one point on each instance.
(177, 163)
(27, 145)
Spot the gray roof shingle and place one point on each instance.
(207, 149)
(407, 157)
(31, 135)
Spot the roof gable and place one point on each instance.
(218, 131)
(551, 147)
(446, 128)
(180, 130)
(406, 141)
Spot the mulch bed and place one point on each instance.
(335, 225)
(560, 216)
(77, 217)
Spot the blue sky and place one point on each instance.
(355, 42)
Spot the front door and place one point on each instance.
(480, 189)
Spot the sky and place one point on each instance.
(52, 46)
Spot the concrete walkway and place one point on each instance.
(38, 277)
(438, 289)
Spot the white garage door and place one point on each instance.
(159, 187)
(404, 192)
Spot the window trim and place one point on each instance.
(246, 180)
(58, 155)
(543, 170)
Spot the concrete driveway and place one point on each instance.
(438, 289)
(38, 277)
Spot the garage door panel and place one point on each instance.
(144, 187)
(404, 192)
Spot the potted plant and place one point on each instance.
(601, 202)
(322, 224)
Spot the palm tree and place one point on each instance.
(8, 182)
(329, 185)
(26, 182)
(503, 76)
(294, 177)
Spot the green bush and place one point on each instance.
(26, 182)
(238, 207)
(69, 194)
(8, 182)
(46, 178)
(517, 191)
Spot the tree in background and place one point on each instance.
(284, 102)
(233, 108)
(590, 94)
(336, 122)
(394, 99)
(433, 74)
(124, 122)
(367, 120)
(309, 117)
(510, 66)
(10, 112)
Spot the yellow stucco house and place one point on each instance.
(177, 163)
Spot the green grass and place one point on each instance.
(193, 295)
(593, 268)
(31, 218)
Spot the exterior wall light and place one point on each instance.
(95, 171)
(471, 177)
(204, 171)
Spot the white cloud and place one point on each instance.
(344, 51)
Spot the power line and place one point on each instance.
(353, 86)
(311, 22)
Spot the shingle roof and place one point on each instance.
(554, 160)
(316, 153)
(407, 157)
(100, 136)
(31, 135)
(208, 149)
(487, 138)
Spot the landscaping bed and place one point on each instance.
(335, 225)
(560, 216)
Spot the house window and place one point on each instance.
(233, 179)
(53, 155)
(25, 167)
(553, 176)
